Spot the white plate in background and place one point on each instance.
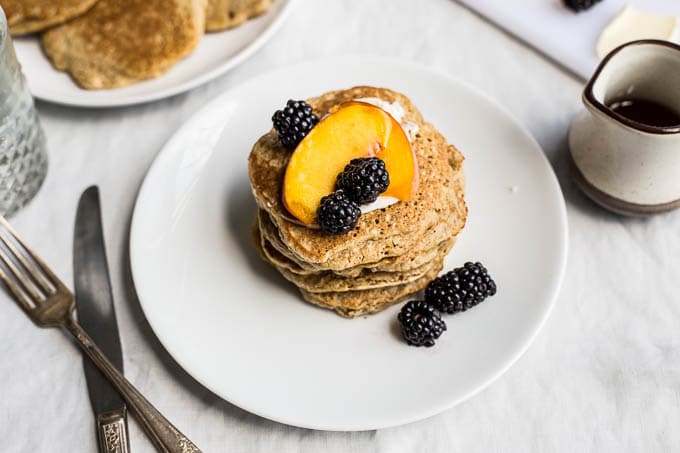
(215, 54)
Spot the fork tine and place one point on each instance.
(26, 282)
(37, 276)
(19, 297)
(51, 278)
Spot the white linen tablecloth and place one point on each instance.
(603, 374)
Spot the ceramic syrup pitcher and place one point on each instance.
(625, 145)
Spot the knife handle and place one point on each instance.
(165, 437)
(112, 431)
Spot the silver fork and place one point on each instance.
(49, 303)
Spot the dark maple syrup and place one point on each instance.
(646, 112)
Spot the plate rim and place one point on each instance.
(249, 50)
(554, 290)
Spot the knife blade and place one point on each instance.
(96, 314)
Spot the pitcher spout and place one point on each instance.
(643, 75)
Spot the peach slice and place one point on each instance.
(353, 129)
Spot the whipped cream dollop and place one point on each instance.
(380, 203)
(398, 113)
(396, 110)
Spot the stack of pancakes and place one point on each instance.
(113, 43)
(392, 253)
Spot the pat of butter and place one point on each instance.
(632, 24)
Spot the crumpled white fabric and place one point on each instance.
(603, 374)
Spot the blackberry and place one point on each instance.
(421, 324)
(460, 289)
(294, 122)
(364, 179)
(337, 214)
(580, 5)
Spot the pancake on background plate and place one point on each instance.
(223, 14)
(30, 16)
(119, 42)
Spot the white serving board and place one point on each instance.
(564, 36)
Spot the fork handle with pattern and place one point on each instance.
(49, 303)
(162, 433)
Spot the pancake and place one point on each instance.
(119, 42)
(380, 234)
(30, 16)
(223, 14)
(354, 303)
(359, 303)
(415, 257)
(328, 281)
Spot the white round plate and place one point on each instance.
(244, 332)
(216, 54)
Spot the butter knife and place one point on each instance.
(97, 316)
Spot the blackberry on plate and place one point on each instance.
(460, 289)
(364, 179)
(580, 5)
(337, 214)
(294, 122)
(421, 324)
